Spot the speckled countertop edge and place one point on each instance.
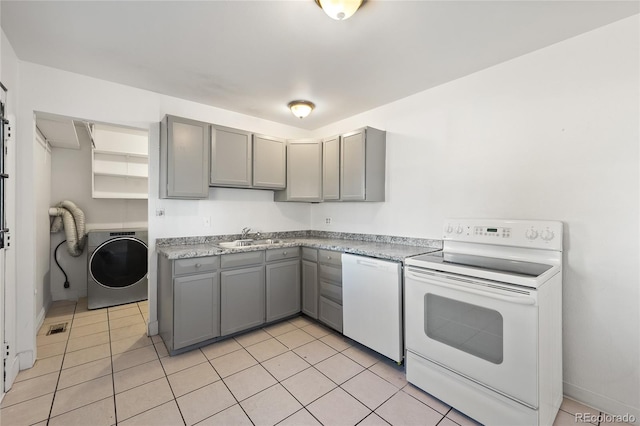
(378, 246)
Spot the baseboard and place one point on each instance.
(152, 328)
(40, 319)
(12, 369)
(601, 402)
(26, 359)
(65, 295)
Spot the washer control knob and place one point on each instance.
(547, 235)
(459, 229)
(531, 234)
(449, 229)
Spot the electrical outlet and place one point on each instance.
(206, 221)
(327, 221)
(160, 212)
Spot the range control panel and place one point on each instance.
(520, 233)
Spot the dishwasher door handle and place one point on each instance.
(370, 263)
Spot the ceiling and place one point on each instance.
(253, 57)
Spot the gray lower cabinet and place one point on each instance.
(362, 165)
(188, 300)
(310, 282)
(330, 288)
(283, 289)
(184, 158)
(242, 292)
(196, 309)
(242, 299)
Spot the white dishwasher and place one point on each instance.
(372, 304)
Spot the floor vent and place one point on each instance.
(57, 328)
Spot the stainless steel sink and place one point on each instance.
(266, 242)
(246, 243)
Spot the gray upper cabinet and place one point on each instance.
(184, 158)
(362, 165)
(304, 172)
(231, 157)
(269, 165)
(331, 169)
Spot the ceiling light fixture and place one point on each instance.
(339, 9)
(301, 108)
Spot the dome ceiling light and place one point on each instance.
(339, 9)
(301, 108)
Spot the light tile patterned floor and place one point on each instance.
(104, 370)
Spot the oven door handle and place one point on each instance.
(433, 280)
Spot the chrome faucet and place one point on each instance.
(245, 232)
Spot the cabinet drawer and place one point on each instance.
(310, 254)
(241, 259)
(330, 313)
(283, 253)
(331, 291)
(330, 273)
(330, 257)
(196, 264)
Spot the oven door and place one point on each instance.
(483, 330)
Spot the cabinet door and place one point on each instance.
(269, 168)
(230, 157)
(283, 289)
(304, 171)
(331, 169)
(352, 170)
(185, 158)
(196, 309)
(242, 299)
(310, 288)
(330, 313)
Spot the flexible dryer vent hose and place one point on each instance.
(66, 214)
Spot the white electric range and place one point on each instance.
(483, 320)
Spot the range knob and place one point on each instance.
(459, 229)
(449, 229)
(547, 235)
(531, 234)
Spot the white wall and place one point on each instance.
(59, 92)
(71, 180)
(550, 135)
(42, 167)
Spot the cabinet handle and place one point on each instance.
(197, 265)
(284, 253)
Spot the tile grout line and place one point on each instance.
(113, 378)
(64, 354)
(304, 407)
(166, 376)
(229, 390)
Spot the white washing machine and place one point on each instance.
(117, 267)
